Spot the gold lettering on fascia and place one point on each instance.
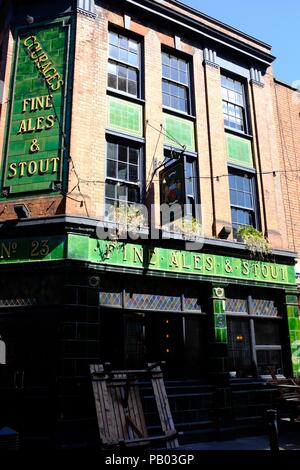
(33, 167)
(41, 59)
(8, 249)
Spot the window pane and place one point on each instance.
(231, 96)
(122, 171)
(133, 173)
(132, 74)
(233, 198)
(232, 183)
(181, 92)
(238, 87)
(132, 58)
(240, 183)
(111, 151)
(182, 105)
(122, 84)
(133, 194)
(166, 100)
(110, 190)
(174, 74)
(267, 332)
(113, 38)
(174, 102)
(173, 89)
(165, 58)
(132, 45)
(112, 81)
(111, 168)
(166, 71)
(133, 156)
(182, 65)
(248, 200)
(174, 62)
(240, 198)
(122, 153)
(121, 192)
(122, 71)
(113, 52)
(132, 88)
(123, 55)
(123, 42)
(183, 77)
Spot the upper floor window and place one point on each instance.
(124, 64)
(242, 200)
(175, 83)
(234, 104)
(122, 173)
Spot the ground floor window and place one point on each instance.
(132, 339)
(255, 336)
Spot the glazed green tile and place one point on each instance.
(125, 116)
(291, 299)
(292, 311)
(15, 148)
(239, 150)
(293, 323)
(179, 132)
(218, 306)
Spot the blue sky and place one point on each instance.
(275, 22)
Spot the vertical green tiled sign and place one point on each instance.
(33, 152)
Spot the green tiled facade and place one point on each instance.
(219, 306)
(125, 116)
(179, 132)
(294, 331)
(239, 150)
(26, 168)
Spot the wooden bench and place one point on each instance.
(119, 408)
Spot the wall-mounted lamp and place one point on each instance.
(239, 338)
(22, 211)
(225, 232)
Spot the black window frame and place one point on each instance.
(254, 319)
(254, 210)
(124, 182)
(242, 106)
(188, 86)
(125, 64)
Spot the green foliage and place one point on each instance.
(187, 226)
(255, 241)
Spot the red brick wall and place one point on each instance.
(89, 121)
(287, 107)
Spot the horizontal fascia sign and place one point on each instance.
(144, 258)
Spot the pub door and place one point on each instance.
(25, 380)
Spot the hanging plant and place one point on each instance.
(128, 218)
(255, 241)
(188, 226)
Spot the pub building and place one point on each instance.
(147, 102)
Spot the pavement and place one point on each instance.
(289, 439)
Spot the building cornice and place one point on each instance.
(179, 20)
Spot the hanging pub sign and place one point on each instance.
(172, 187)
(36, 128)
